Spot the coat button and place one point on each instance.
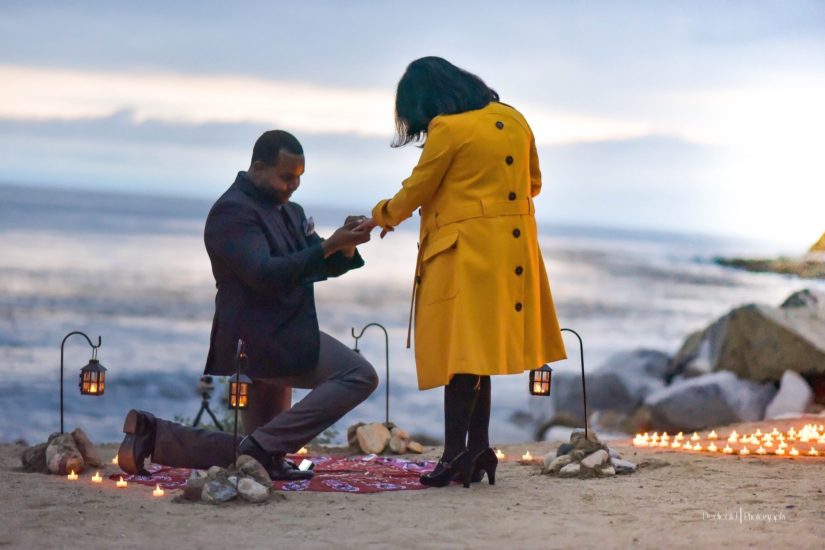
(509, 159)
(518, 306)
(511, 196)
(499, 125)
(519, 270)
(516, 233)
(418, 279)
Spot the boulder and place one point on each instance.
(595, 460)
(248, 466)
(589, 444)
(571, 470)
(793, 398)
(564, 448)
(398, 445)
(218, 491)
(215, 472)
(711, 400)
(34, 459)
(760, 342)
(622, 466)
(86, 448)
(62, 455)
(400, 434)
(252, 491)
(352, 439)
(193, 490)
(555, 463)
(415, 447)
(372, 438)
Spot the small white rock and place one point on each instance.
(557, 463)
(623, 466)
(595, 460)
(251, 490)
(571, 470)
(607, 471)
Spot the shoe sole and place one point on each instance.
(125, 454)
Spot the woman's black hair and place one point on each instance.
(433, 86)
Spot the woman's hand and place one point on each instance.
(369, 224)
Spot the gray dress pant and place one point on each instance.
(341, 380)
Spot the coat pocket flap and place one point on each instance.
(439, 245)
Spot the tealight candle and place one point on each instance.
(712, 435)
(775, 432)
(96, 478)
(793, 452)
(712, 448)
(302, 451)
(158, 492)
(697, 447)
(680, 436)
(727, 450)
(121, 484)
(527, 457)
(744, 451)
(694, 437)
(758, 433)
(780, 451)
(114, 460)
(761, 451)
(72, 476)
(813, 452)
(675, 445)
(499, 454)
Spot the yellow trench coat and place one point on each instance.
(482, 300)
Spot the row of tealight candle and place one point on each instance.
(120, 484)
(770, 443)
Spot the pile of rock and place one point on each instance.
(247, 479)
(61, 454)
(756, 362)
(586, 457)
(377, 437)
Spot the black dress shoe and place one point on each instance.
(139, 442)
(277, 466)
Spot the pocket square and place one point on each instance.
(309, 226)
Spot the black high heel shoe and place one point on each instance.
(461, 467)
(485, 461)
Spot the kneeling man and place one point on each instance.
(266, 257)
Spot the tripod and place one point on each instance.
(205, 387)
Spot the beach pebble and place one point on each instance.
(623, 466)
(564, 449)
(34, 459)
(571, 470)
(215, 472)
(373, 438)
(589, 444)
(415, 447)
(607, 471)
(62, 456)
(217, 491)
(86, 448)
(399, 433)
(252, 491)
(613, 453)
(595, 460)
(250, 467)
(556, 463)
(398, 445)
(193, 490)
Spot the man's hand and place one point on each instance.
(347, 237)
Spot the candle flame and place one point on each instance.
(712, 435)
(793, 452)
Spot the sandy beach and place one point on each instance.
(673, 499)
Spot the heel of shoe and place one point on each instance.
(486, 461)
(130, 425)
(464, 466)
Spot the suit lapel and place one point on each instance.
(296, 223)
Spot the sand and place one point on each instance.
(671, 501)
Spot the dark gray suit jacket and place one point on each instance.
(265, 291)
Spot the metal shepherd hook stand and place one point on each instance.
(387, 349)
(94, 356)
(240, 366)
(584, 388)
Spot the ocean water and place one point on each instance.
(133, 270)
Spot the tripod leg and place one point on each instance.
(197, 420)
(214, 419)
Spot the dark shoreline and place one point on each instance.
(801, 267)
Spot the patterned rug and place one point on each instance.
(333, 474)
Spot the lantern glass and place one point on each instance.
(93, 378)
(540, 381)
(238, 397)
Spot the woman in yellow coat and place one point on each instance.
(482, 301)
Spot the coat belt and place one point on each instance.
(481, 209)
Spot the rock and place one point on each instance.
(215, 472)
(564, 449)
(62, 456)
(589, 445)
(34, 459)
(398, 445)
(401, 434)
(613, 453)
(623, 466)
(712, 400)
(248, 466)
(577, 455)
(571, 470)
(415, 447)
(607, 471)
(793, 398)
(86, 448)
(760, 342)
(352, 439)
(216, 492)
(595, 460)
(252, 491)
(372, 438)
(193, 490)
(555, 463)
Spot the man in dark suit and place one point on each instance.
(266, 257)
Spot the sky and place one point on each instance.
(701, 116)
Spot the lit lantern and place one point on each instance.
(540, 380)
(93, 378)
(239, 391)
